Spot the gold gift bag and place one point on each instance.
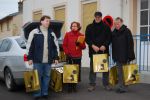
(56, 79)
(62, 56)
(70, 74)
(130, 73)
(31, 80)
(113, 76)
(100, 63)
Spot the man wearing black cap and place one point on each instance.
(98, 37)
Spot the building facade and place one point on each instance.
(11, 25)
(81, 11)
(136, 13)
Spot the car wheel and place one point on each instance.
(9, 80)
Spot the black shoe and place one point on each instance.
(69, 90)
(121, 90)
(45, 96)
(37, 98)
(74, 90)
(74, 87)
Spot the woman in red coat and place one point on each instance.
(73, 49)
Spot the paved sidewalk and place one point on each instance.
(136, 92)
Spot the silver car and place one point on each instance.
(13, 54)
(13, 61)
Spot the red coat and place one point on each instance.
(69, 44)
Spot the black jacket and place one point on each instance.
(98, 34)
(37, 47)
(122, 45)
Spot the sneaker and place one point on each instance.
(91, 88)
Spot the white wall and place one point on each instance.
(126, 12)
(114, 8)
(46, 6)
(73, 12)
(27, 10)
(111, 7)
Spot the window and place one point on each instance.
(60, 15)
(5, 46)
(37, 15)
(145, 19)
(8, 26)
(0, 43)
(88, 10)
(1, 27)
(21, 43)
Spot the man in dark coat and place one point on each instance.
(98, 37)
(122, 50)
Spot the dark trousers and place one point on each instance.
(92, 76)
(72, 86)
(120, 75)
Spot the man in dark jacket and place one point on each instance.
(43, 51)
(122, 50)
(97, 36)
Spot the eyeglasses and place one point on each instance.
(74, 26)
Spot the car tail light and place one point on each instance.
(25, 57)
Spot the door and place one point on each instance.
(88, 10)
(5, 47)
(60, 15)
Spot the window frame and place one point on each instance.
(145, 38)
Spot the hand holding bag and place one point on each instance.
(31, 80)
(100, 63)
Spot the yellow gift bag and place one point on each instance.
(100, 63)
(56, 79)
(31, 80)
(113, 76)
(70, 74)
(130, 73)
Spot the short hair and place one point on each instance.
(78, 25)
(45, 17)
(119, 18)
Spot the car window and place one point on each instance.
(21, 43)
(0, 42)
(5, 46)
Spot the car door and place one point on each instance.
(0, 59)
(5, 46)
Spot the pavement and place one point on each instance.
(139, 91)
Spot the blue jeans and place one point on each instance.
(44, 78)
(92, 76)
